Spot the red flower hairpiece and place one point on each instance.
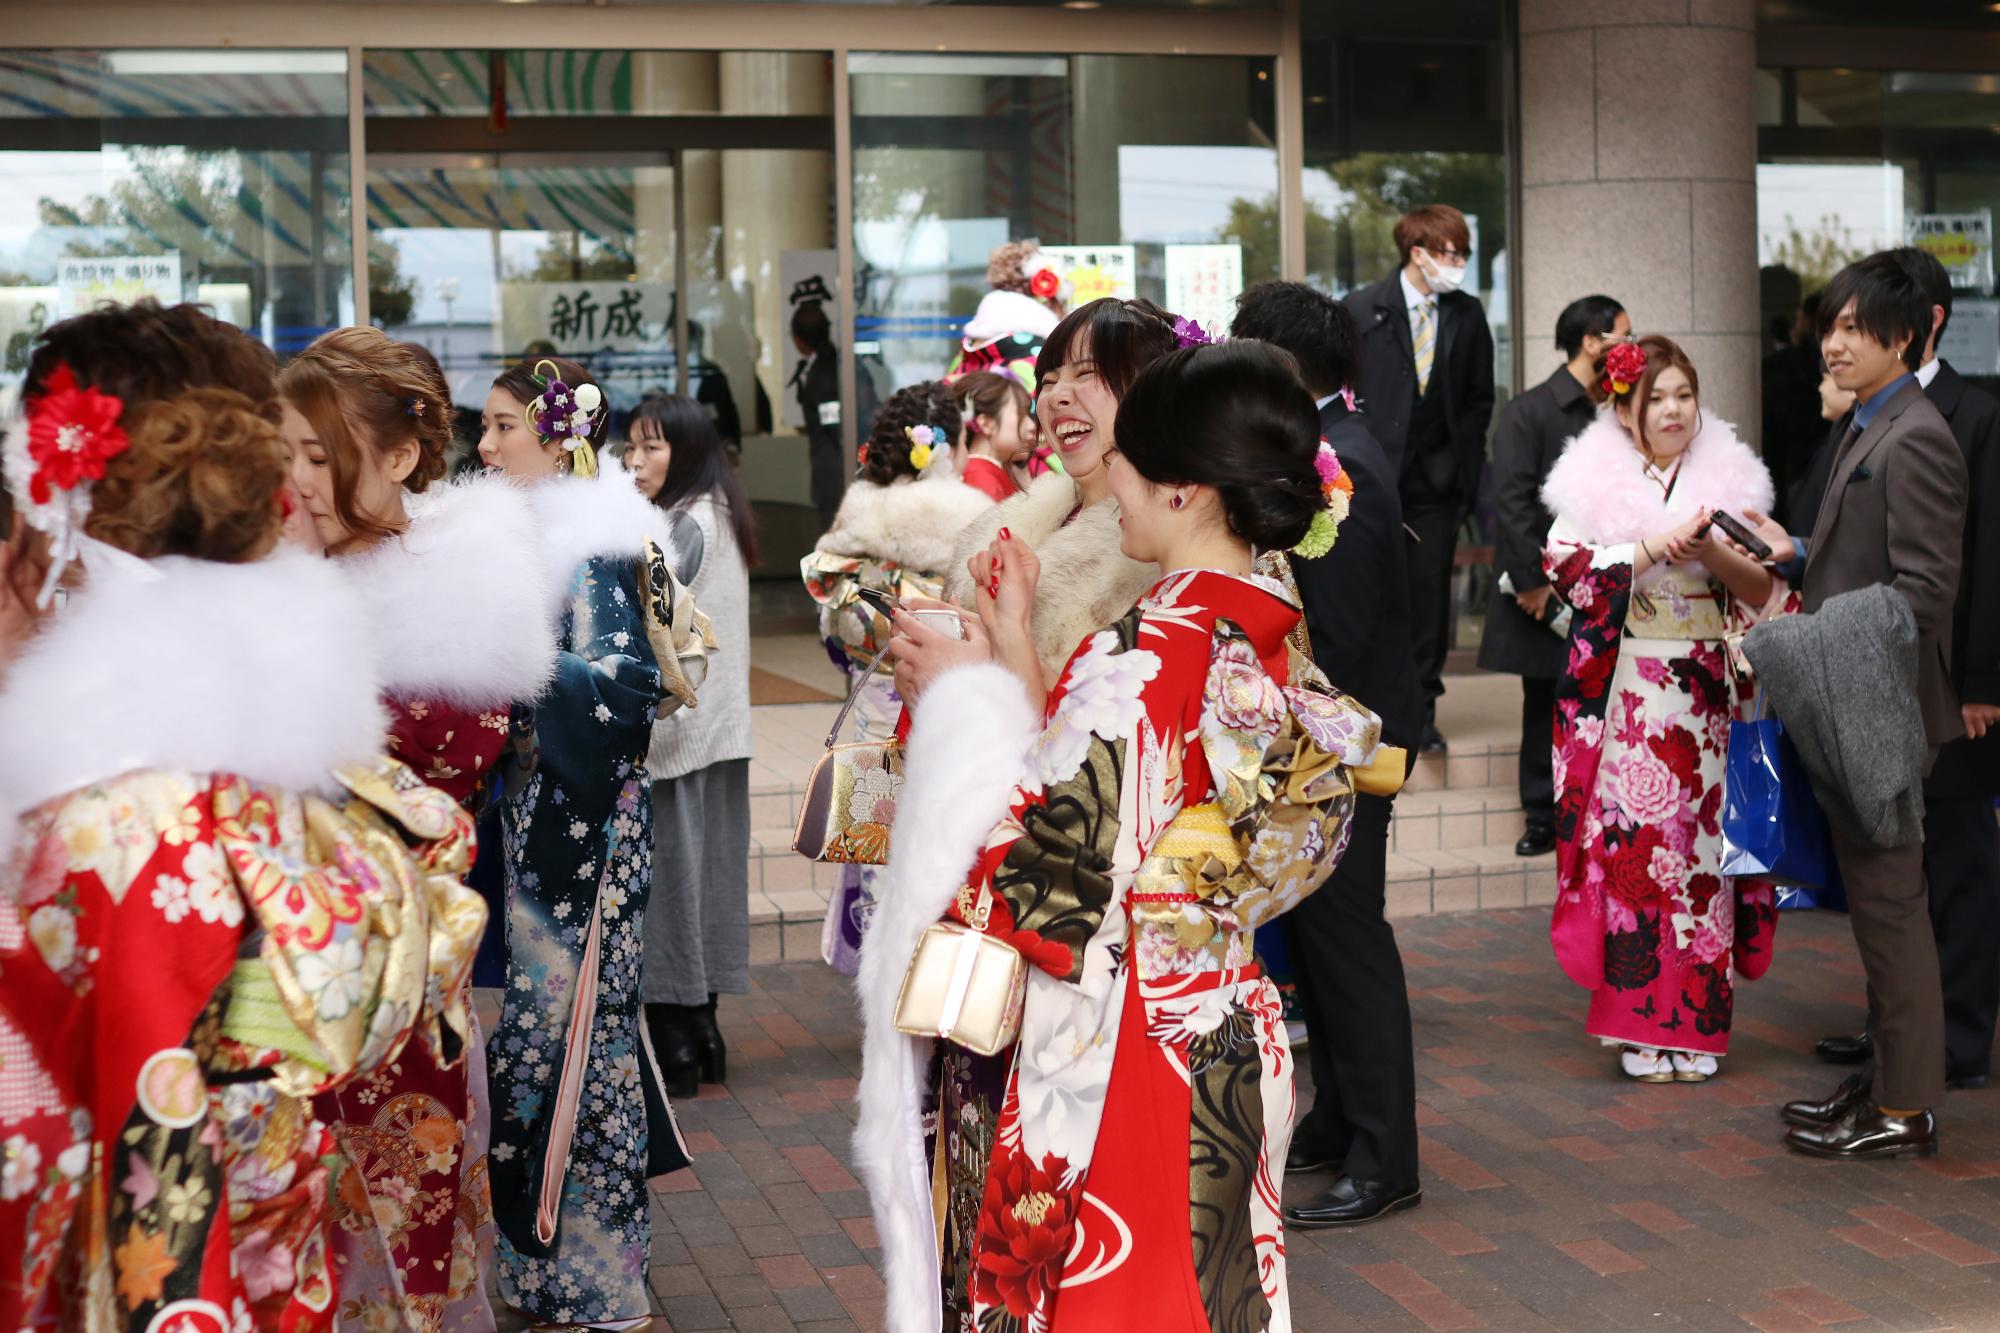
(1624, 366)
(1045, 284)
(72, 433)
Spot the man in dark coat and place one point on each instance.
(1363, 1121)
(1426, 385)
(818, 383)
(1893, 513)
(1519, 639)
(1961, 843)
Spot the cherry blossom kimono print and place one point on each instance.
(580, 1112)
(1137, 862)
(1643, 919)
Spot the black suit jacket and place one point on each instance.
(1462, 369)
(1534, 428)
(1967, 767)
(1356, 596)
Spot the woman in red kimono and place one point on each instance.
(457, 588)
(199, 933)
(1189, 783)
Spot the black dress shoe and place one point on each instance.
(1305, 1158)
(1853, 1092)
(1432, 743)
(1868, 1133)
(1964, 1082)
(674, 1048)
(708, 1042)
(1351, 1202)
(1537, 840)
(1844, 1050)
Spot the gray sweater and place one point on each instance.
(717, 728)
(1844, 682)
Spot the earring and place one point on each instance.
(1179, 501)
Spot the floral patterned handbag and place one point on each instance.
(850, 799)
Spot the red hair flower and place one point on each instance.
(1624, 366)
(72, 434)
(1046, 284)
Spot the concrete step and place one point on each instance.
(1451, 818)
(1468, 879)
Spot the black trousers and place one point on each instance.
(1357, 1012)
(823, 451)
(1962, 865)
(1435, 524)
(1538, 749)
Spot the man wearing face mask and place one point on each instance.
(1426, 394)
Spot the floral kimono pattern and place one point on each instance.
(1136, 1160)
(189, 960)
(580, 1116)
(1642, 918)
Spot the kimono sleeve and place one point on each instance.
(599, 709)
(1082, 820)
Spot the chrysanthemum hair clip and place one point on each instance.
(1336, 489)
(567, 416)
(1190, 334)
(53, 462)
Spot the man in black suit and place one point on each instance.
(1426, 383)
(1363, 1120)
(1519, 636)
(1961, 844)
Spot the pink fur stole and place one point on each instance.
(1600, 491)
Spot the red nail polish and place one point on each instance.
(993, 588)
(1005, 535)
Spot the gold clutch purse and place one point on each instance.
(850, 797)
(964, 986)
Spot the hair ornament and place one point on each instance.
(926, 443)
(968, 419)
(1624, 366)
(415, 407)
(1046, 284)
(1190, 334)
(1336, 490)
(565, 416)
(72, 432)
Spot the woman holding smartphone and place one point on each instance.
(1643, 919)
(891, 538)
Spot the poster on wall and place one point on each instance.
(81, 284)
(1971, 342)
(587, 317)
(1962, 242)
(1203, 282)
(1095, 271)
(805, 276)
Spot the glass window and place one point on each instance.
(212, 176)
(662, 240)
(1153, 176)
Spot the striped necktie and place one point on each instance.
(1425, 337)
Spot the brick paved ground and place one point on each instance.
(1557, 1194)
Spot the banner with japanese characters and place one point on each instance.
(1962, 242)
(1203, 282)
(83, 284)
(586, 317)
(1094, 271)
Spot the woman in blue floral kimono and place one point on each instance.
(580, 1120)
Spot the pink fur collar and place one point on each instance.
(1599, 486)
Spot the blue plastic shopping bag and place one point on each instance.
(1772, 828)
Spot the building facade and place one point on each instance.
(656, 188)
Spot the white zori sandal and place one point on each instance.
(1693, 1068)
(1646, 1064)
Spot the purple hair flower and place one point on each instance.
(1190, 334)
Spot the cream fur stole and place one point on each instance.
(1087, 582)
(1599, 488)
(267, 671)
(913, 523)
(461, 599)
(967, 750)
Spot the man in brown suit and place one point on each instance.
(1893, 513)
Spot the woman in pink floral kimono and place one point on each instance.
(1186, 786)
(1643, 920)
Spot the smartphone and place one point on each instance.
(946, 622)
(1740, 533)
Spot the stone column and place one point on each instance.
(1639, 180)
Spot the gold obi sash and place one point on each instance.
(1679, 606)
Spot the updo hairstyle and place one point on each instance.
(361, 389)
(1122, 338)
(205, 463)
(1236, 418)
(519, 382)
(929, 403)
(1661, 352)
(985, 393)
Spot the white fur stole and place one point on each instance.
(913, 523)
(967, 750)
(461, 599)
(580, 518)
